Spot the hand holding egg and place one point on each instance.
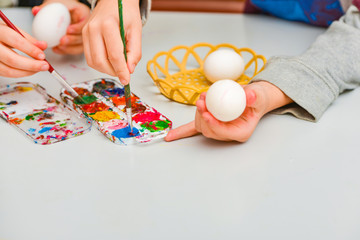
(223, 64)
(226, 100)
(68, 17)
(50, 23)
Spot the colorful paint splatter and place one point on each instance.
(105, 106)
(40, 116)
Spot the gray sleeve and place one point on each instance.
(329, 67)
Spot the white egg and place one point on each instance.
(223, 64)
(50, 23)
(225, 100)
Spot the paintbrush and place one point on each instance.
(63, 82)
(126, 87)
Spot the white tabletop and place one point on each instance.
(292, 180)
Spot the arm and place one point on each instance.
(316, 78)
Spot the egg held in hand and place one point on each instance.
(50, 23)
(225, 100)
(223, 64)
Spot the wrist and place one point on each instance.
(275, 97)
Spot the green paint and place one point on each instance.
(156, 125)
(32, 116)
(85, 99)
(1, 103)
(2, 108)
(63, 125)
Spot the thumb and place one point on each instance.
(251, 97)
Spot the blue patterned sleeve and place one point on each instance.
(316, 12)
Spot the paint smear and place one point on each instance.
(16, 121)
(94, 107)
(114, 124)
(137, 108)
(104, 116)
(147, 116)
(111, 92)
(156, 125)
(102, 85)
(125, 133)
(85, 99)
(23, 89)
(120, 101)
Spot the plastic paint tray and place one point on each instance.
(105, 106)
(40, 116)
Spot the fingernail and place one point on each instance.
(41, 56)
(70, 30)
(132, 68)
(44, 67)
(123, 82)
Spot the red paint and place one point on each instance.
(121, 100)
(147, 116)
(95, 107)
(137, 108)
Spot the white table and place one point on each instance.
(292, 180)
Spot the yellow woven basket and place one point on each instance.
(179, 75)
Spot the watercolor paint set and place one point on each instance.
(103, 102)
(40, 116)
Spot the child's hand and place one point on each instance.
(261, 97)
(14, 65)
(72, 42)
(103, 46)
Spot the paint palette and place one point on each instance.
(41, 117)
(104, 103)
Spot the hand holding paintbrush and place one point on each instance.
(71, 91)
(14, 65)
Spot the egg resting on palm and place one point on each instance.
(225, 100)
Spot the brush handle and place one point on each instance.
(126, 87)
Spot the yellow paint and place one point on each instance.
(24, 89)
(104, 116)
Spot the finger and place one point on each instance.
(73, 50)
(97, 49)
(77, 22)
(15, 40)
(14, 60)
(133, 48)
(35, 10)
(7, 71)
(201, 104)
(183, 131)
(86, 45)
(114, 48)
(71, 40)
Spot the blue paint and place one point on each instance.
(111, 92)
(45, 129)
(31, 130)
(125, 133)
